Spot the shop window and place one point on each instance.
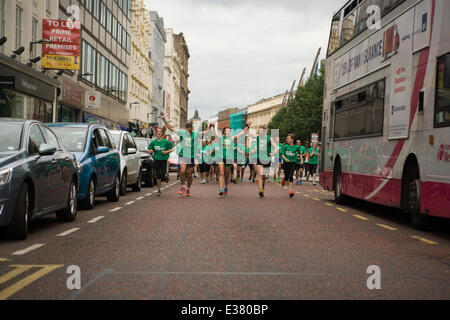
(442, 106)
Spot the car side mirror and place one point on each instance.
(102, 150)
(131, 151)
(46, 150)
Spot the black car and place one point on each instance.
(148, 170)
(37, 176)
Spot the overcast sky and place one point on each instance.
(246, 50)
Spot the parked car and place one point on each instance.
(130, 161)
(37, 176)
(147, 161)
(97, 159)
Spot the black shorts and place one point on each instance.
(312, 168)
(297, 166)
(267, 165)
(161, 169)
(190, 162)
(289, 169)
(204, 167)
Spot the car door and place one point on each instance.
(110, 161)
(131, 167)
(136, 159)
(61, 169)
(100, 162)
(42, 171)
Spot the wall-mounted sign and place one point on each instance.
(315, 137)
(92, 100)
(64, 50)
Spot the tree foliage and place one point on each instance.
(303, 115)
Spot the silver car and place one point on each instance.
(130, 161)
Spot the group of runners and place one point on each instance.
(227, 155)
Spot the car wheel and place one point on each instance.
(123, 183)
(18, 228)
(114, 194)
(68, 214)
(137, 186)
(89, 202)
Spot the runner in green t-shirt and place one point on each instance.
(300, 163)
(289, 154)
(313, 161)
(227, 146)
(206, 161)
(161, 148)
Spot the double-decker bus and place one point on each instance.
(386, 117)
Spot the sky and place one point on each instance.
(246, 50)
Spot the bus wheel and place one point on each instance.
(419, 221)
(337, 185)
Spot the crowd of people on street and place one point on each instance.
(224, 157)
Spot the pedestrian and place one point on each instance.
(161, 148)
(300, 163)
(313, 161)
(252, 160)
(289, 153)
(205, 162)
(227, 152)
(187, 154)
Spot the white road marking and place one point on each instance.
(95, 219)
(65, 233)
(140, 198)
(131, 202)
(26, 250)
(149, 194)
(115, 209)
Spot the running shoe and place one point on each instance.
(261, 193)
(283, 182)
(242, 179)
(220, 192)
(225, 192)
(300, 182)
(207, 180)
(182, 190)
(314, 183)
(188, 193)
(159, 193)
(291, 194)
(250, 178)
(253, 180)
(274, 179)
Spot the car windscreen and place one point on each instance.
(142, 144)
(116, 138)
(72, 138)
(10, 137)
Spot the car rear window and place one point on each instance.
(72, 138)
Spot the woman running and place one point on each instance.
(289, 153)
(225, 164)
(161, 148)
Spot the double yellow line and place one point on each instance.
(19, 285)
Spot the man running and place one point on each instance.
(289, 153)
(300, 163)
(313, 162)
(161, 148)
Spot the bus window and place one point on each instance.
(334, 34)
(442, 108)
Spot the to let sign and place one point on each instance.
(92, 100)
(63, 51)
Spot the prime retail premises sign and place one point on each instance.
(63, 51)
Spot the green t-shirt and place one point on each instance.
(264, 147)
(240, 153)
(158, 147)
(290, 152)
(313, 159)
(187, 144)
(206, 154)
(252, 153)
(228, 149)
(302, 152)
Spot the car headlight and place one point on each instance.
(5, 176)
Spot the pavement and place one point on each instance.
(236, 247)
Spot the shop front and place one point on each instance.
(25, 93)
(91, 118)
(71, 102)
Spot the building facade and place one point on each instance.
(172, 81)
(141, 70)
(224, 117)
(105, 59)
(183, 53)
(263, 111)
(25, 92)
(157, 45)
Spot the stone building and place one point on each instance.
(183, 53)
(172, 81)
(157, 45)
(263, 111)
(224, 117)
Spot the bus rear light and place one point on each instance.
(431, 139)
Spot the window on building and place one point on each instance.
(88, 62)
(124, 39)
(102, 72)
(113, 80)
(120, 3)
(442, 107)
(114, 27)
(360, 113)
(34, 26)
(119, 33)
(88, 5)
(128, 9)
(19, 13)
(103, 14)
(125, 6)
(128, 43)
(48, 5)
(108, 21)
(96, 9)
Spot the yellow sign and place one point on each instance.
(61, 62)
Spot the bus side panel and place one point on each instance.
(435, 199)
(326, 180)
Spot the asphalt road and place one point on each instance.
(236, 247)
